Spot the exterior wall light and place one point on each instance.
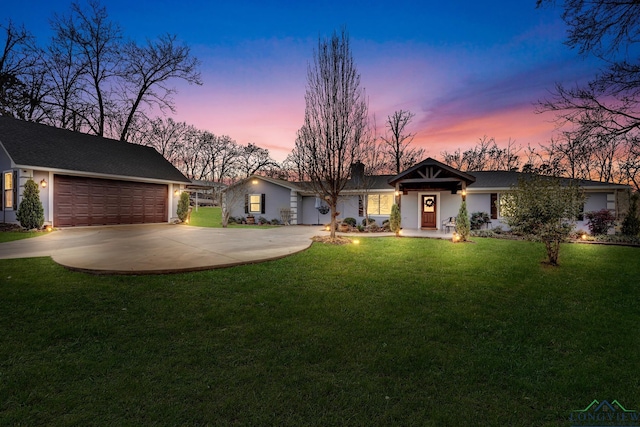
(255, 181)
(176, 193)
(43, 183)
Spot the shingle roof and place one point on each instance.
(35, 145)
(506, 179)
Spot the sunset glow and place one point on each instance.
(466, 69)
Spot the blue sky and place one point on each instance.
(465, 68)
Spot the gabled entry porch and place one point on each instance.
(429, 193)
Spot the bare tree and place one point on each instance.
(148, 69)
(21, 77)
(607, 109)
(486, 155)
(397, 141)
(98, 42)
(335, 120)
(253, 159)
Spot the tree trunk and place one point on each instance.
(334, 215)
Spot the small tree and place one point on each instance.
(631, 223)
(395, 219)
(543, 209)
(463, 226)
(599, 222)
(183, 206)
(30, 212)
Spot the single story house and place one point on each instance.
(428, 194)
(85, 179)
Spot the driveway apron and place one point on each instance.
(160, 248)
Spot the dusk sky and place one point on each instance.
(465, 68)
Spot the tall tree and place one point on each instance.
(98, 48)
(397, 141)
(253, 159)
(608, 107)
(19, 60)
(335, 120)
(147, 69)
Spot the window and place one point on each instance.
(254, 203)
(497, 205)
(9, 190)
(379, 204)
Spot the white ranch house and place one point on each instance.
(428, 194)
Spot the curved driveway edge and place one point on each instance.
(161, 248)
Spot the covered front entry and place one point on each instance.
(429, 192)
(81, 201)
(429, 217)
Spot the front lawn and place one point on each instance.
(212, 217)
(387, 332)
(9, 236)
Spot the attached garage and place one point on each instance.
(85, 179)
(81, 201)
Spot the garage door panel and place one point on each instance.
(82, 201)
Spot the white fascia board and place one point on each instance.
(100, 175)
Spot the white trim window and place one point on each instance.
(379, 204)
(9, 190)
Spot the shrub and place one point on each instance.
(373, 227)
(463, 227)
(478, 219)
(30, 212)
(599, 222)
(543, 209)
(262, 220)
(350, 221)
(360, 228)
(394, 219)
(183, 206)
(369, 221)
(482, 233)
(275, 221)
(631, 223)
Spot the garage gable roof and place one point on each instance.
(31, 144)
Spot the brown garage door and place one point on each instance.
(80, 201)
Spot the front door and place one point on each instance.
(429, 211)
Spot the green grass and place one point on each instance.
(212, 217)
(9, 236)
(387, 332)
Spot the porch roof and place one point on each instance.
(432, 174)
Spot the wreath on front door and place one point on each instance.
(429, 203)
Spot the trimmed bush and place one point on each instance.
(30, 212)
(183, 206)
(463, 227)
(631, 223)
(478, 219)
(350, 221)
(599, 222)
(370, 221)
(394, 219)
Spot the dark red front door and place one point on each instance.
(428, 211)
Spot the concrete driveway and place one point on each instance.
(160, 248)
